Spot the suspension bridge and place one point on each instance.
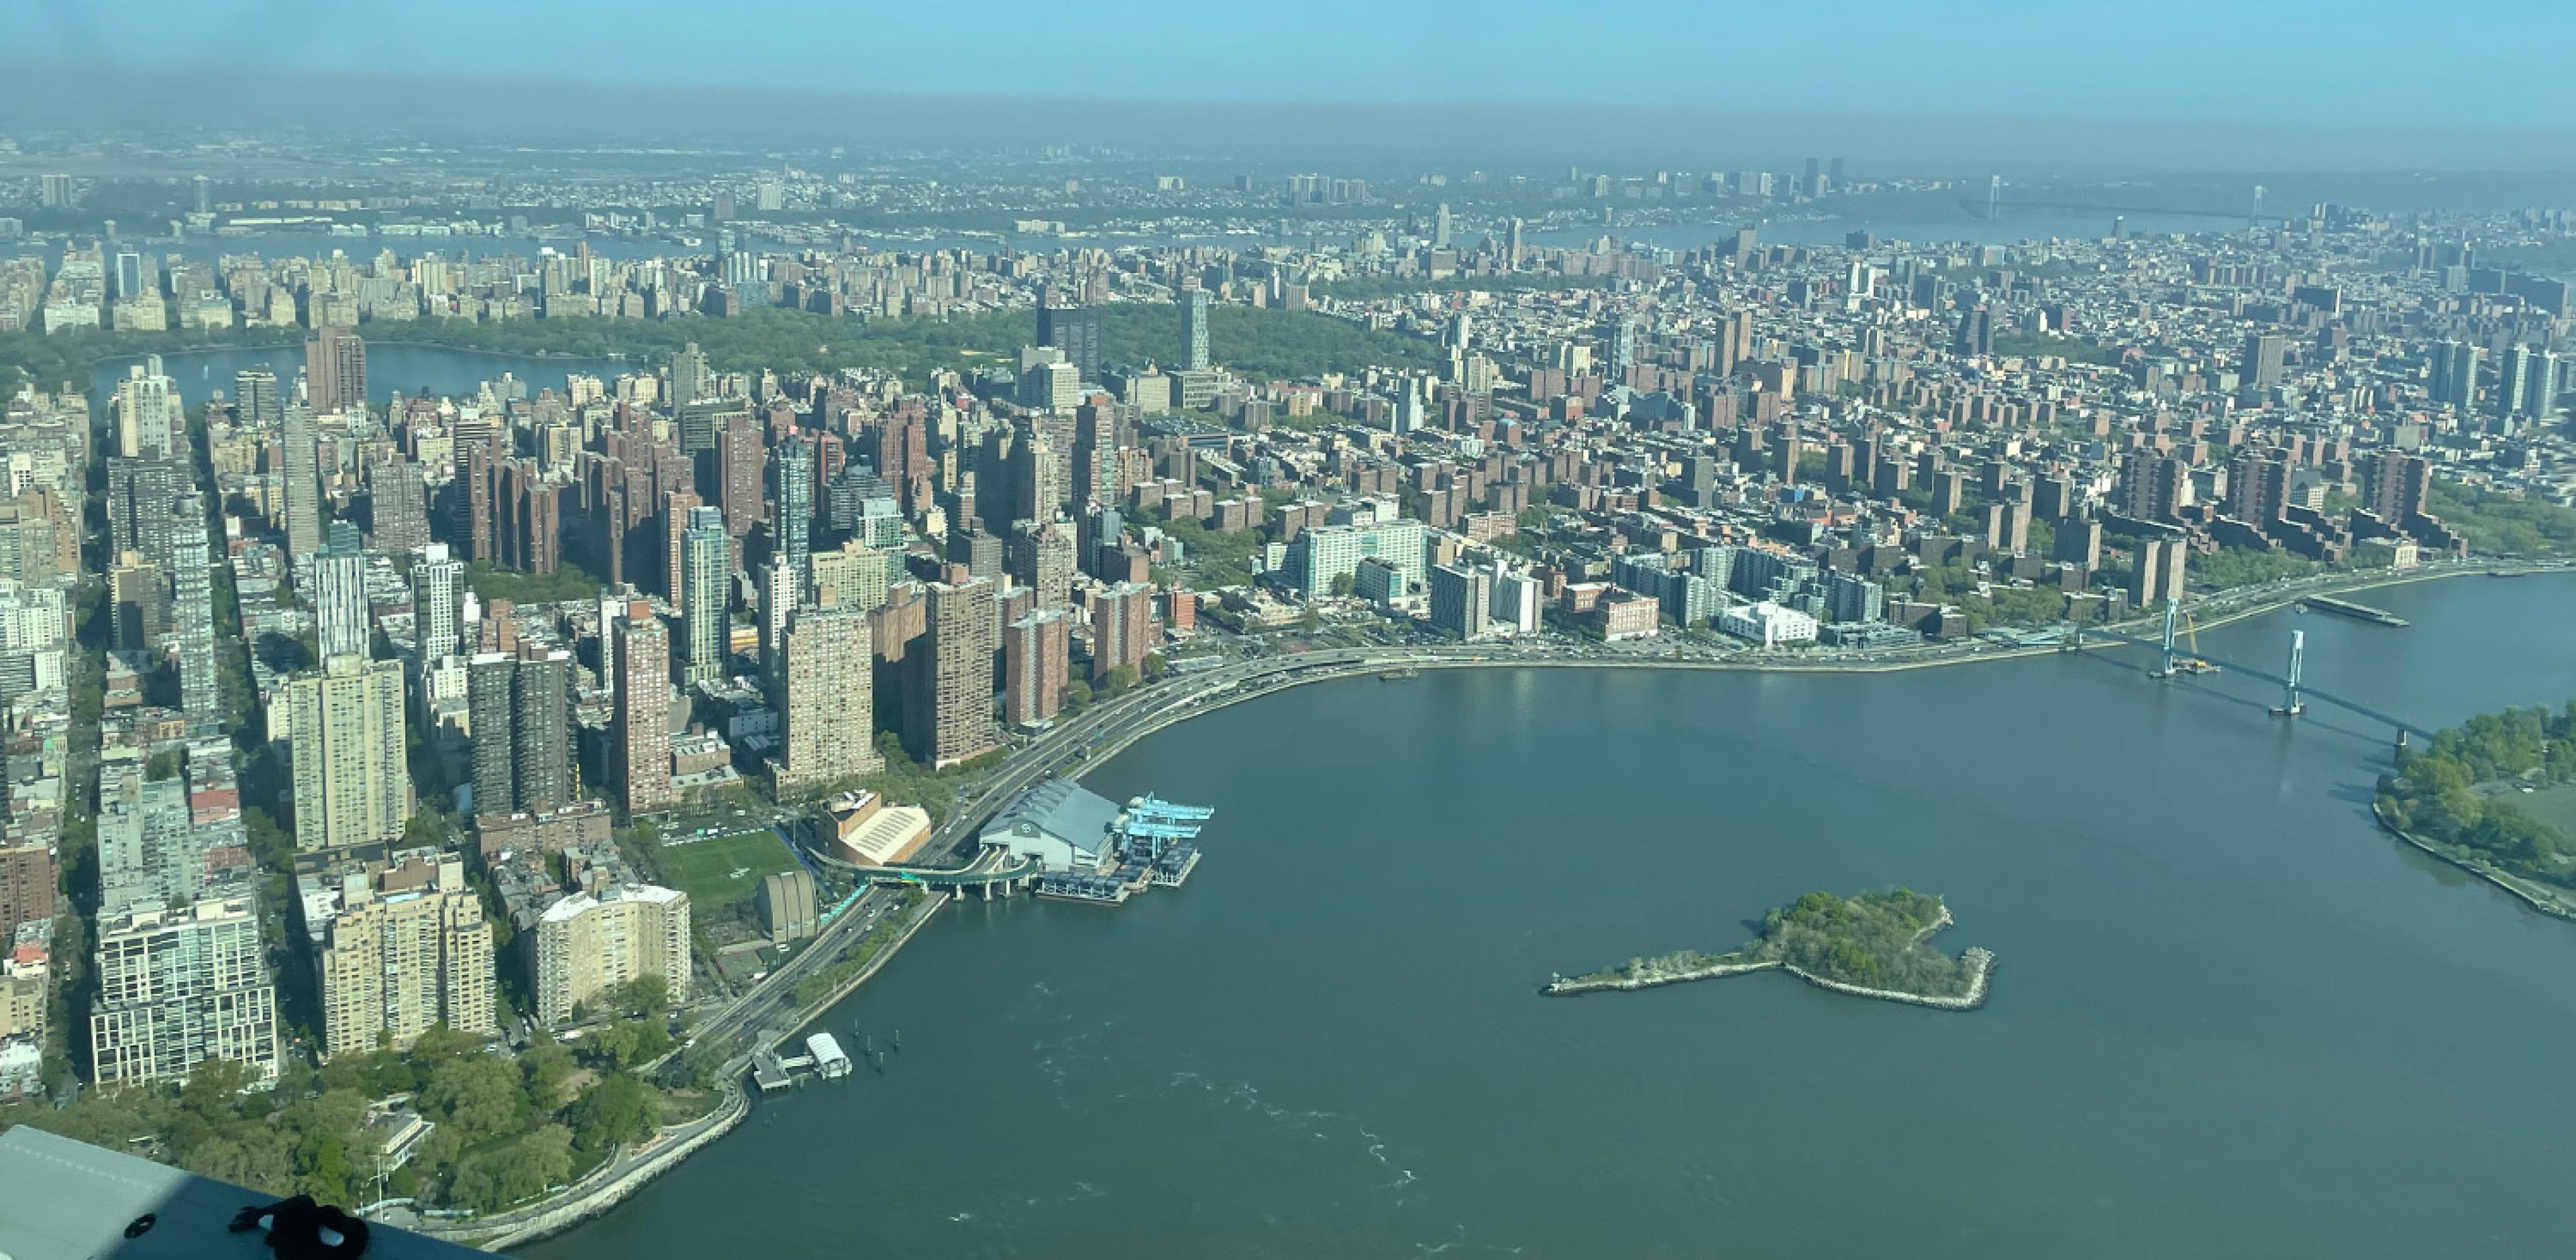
(2296, 692)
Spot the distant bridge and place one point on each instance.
(2176, 211)
(2294, 690)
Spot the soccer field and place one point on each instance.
(721, 871)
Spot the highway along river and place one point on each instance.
(2231, 1017)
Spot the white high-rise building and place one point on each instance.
(437, 587)
(147, 410)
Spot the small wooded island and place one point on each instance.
(1873, 945)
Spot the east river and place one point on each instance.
(2231, 1017)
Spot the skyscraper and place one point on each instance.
(340, 604)
(2264, 355)
(2513, 385)
(690, 378)
(1194, 329)
(793, 502)
(1461, 600)
(192, 616)
(344, 727)
(303, 489)
(1440, 227)
(335, 370)
(1035, 667)
(644, 711)
(705, 567)
(437, 596)
(1042, 560)
(255, 398)
(826, 699)
(520, 712)
(139, 495)
(1076, 331)
(948, 702)
(1123, 631)
(2455, 373)
(740, 460)
(147, 411)
(398, 506)
(407, 949)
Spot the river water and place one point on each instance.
(2231, 1018)
(391, 370)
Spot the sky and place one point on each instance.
(2281, 68)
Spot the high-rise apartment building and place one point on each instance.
(437, 604)
(139, 495)
(740, 459)
(1036, 654)
(2265, 354)
(706, 565)
(691, 379)
(302, 491)
(407, 949)
(1194, 328)
(1075, 330)
(2455, 373)
(1461, 600)
(344, 733)
(340, 604)
(177, 987)
(826, 699)
(335, 370)
(948, 702)
(147, 412)
(644, 711)
(793, 503)
(1042, 559)
(398, 506)
(588, 943)
(255, 398)
(1123, 630)
(192, 616)
(520, 712)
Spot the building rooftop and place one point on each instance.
(72, 1201)
(1059, 807)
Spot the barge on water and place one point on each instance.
(2358, 612)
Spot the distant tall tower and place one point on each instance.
(2513, 386)
(1440, 227)
(1194, 329)
(1994, 196)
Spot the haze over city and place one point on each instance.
(1162, 631)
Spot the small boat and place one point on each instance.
(1399, 675)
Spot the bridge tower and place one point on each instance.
(2290, 705)
(2173, 619)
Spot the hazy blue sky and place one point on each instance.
(2275, 61)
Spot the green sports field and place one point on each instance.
(724, 870)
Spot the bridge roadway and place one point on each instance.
(2306, 692)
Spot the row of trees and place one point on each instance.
(2436, 794)
(505, 1130)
